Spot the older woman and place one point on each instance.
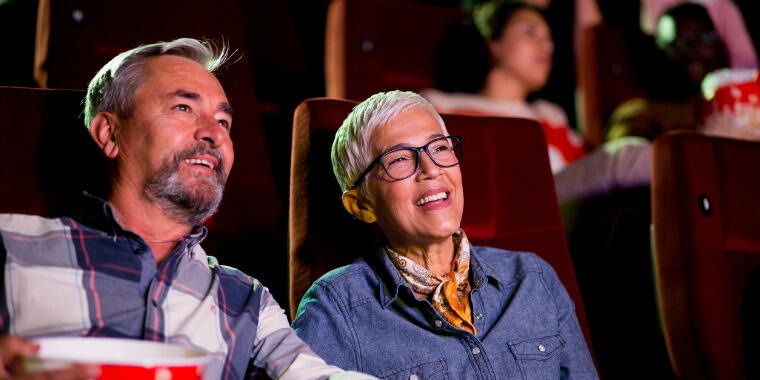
(427, 304)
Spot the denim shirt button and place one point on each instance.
(438, 323)
(541, 348)
(475, 351)
(478, 282)
(414, 377)
(479, 316)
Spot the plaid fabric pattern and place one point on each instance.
(89, 277)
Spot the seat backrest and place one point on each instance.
(380, 45)
(706, 243)
(510, 200)
(606, 77)
(48, 155)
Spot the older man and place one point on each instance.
(133, 266)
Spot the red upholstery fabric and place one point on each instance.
(47, 154)
(380, 45)
(509, 196)
(704, 256)
(606, 77)
(86, 34)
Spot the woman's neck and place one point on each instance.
(502, 86)
(437, 258)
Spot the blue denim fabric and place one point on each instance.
(364, 317)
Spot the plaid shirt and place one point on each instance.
(90, 277)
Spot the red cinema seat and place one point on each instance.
(380, 45)
(509, 196)
(606, 77)
(48, 156)
(705, 206)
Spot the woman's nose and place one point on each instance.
(428, 167)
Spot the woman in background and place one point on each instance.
(494, 73)
(518, 48)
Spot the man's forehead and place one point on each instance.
(180, 72)
(173, 76)
(223, 105)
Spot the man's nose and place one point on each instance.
(210, 131)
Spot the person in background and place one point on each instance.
(728, 25)
(519, 50)
(426, 303)
(688, 37)
(508, 60)
(132, 266)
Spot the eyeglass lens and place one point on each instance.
(403, 162)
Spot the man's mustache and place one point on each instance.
(203, 149)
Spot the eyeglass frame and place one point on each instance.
(418, 150)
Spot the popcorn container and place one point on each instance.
(120, 358)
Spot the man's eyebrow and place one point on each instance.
(225, 107)
(186, 94)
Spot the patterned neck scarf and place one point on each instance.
(449, 293)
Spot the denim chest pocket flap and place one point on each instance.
(537, 348)
(431, 370)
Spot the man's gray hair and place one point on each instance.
(113, 88)
(352, 150)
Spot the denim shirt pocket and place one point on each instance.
(431, 370)
(538, 357)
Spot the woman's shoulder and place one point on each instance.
(550, 112)
(507, 261)
(354, 276)
(473, 104)
(509, 266)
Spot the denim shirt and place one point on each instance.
(365, 317)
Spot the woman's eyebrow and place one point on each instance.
(407, 145)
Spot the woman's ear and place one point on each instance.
(103, 132)
(357, 206)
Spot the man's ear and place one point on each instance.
(357, 206)
(103, 131)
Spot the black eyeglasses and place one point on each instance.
(402, 162)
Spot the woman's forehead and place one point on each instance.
(412, 127)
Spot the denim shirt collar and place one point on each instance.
(98, 214)
(391, 280)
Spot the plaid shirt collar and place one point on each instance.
(98, 214)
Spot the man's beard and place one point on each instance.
(186, 204)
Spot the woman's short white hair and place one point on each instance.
(351, 149)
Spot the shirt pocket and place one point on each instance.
(538, 358)
(431, 370)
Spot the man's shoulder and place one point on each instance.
(228, 275)
(32, 225)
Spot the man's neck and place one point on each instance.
(148, 220)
